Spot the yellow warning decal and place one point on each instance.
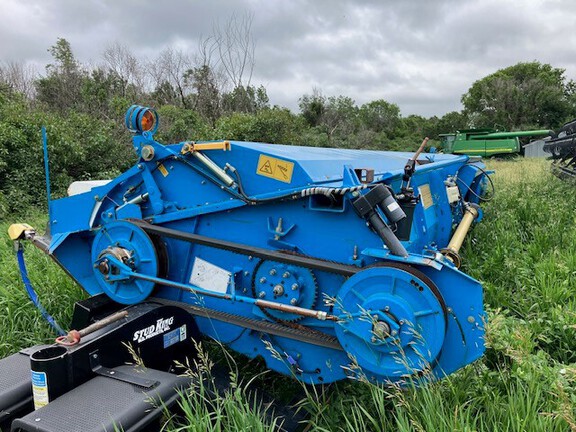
(163, 170)
(277, 169)
(426, 196)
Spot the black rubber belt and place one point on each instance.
(279, 256)
(313, 337)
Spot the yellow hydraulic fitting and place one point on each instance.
(18, 231)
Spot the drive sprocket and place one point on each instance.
(284, 283)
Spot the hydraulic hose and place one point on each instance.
(32, 293)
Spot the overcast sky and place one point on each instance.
(422, 55)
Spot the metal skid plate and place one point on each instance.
(105, 404)
(392, 321)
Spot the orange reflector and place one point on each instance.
(147, 122)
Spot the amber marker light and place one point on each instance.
(141, 119)
(148, 121)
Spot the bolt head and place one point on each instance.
(387, 308)
(262, 280)
(286, 275)
(272, 272)
(293, 302)
(295, 287)
(262, 294)
(103, 267)
(381, 329)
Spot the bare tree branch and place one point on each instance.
(20, 77)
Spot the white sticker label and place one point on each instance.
(209, 277)
(39, 389)
(393, 206)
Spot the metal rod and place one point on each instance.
(219, 172)
(410, 167)
(420, 149)
(320, 315)
(136, 200)
(103, 323)
(75, 336)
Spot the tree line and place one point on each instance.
(210, 94)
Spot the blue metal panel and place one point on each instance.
(307, 208)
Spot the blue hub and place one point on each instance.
(392, 321)
(118, 249)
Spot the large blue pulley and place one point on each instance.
(392, 321)
(120, 248)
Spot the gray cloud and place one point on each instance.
(422, 55)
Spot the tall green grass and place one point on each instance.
(21, 323)
(524, 253)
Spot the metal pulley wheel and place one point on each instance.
(392, 321)
(122, 242)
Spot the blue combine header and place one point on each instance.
(327, 263)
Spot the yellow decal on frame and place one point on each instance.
(426, 196)
(277, 169)
(163, 170)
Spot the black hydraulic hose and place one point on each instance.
(481, 198)
(327, 191)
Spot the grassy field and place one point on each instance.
(524, 253)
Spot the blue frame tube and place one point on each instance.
(47, 170)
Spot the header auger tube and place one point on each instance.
(322, 255)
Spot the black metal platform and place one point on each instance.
(107, 404)
(91, 389)
(15, 388)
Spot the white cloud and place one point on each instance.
(422, 55)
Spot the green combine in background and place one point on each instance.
(486, 142)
